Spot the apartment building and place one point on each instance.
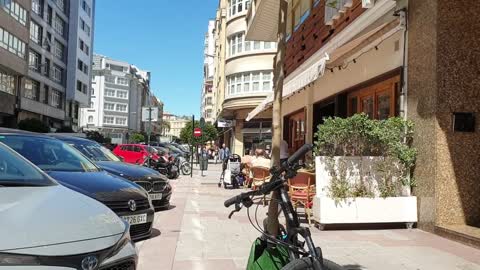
(389, 58)
(246, 77)
(175, 125)
(208, 95)
(14, 38)
(54, 53)
(80, 56)
(119, 91)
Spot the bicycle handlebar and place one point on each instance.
(268, 187)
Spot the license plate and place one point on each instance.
(136, 219)
(156, 196)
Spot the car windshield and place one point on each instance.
(152, 150)
(95, 151)
(49, 154)
(16, 171)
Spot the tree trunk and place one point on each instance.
(278, 76)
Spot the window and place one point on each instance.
(59, 25)
(34, 61)
(57, 73)
(83, 47)
(121, 107)
(122, 81)
(84, 26)
(60, 4)
(46, 67)
(56, 98)
(79, 86)
(109, 93)
(79, 64)
(37, 7)
(93, 92)
(109, 79)
(90, 119)
(49, 15)
(86, 8)
(58, 49)
(377, 101)
(35, 32)
(32, 90)
(256, 45)
(48, 41)
(249, 82)
(15, 10)
(7, 83)
(108, 120)
(12, 43)
(121, 121)
(122, 94)
(238, 6)
(109, 106)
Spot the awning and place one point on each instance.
(307, 76)
(261, 107)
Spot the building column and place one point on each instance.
(237, 147)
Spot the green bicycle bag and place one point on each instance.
(264, 257)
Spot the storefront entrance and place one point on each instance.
(294, 130)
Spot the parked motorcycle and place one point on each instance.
(166, 165)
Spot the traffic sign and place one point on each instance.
(197, 132)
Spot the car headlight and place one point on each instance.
(15, 259)
(124, 240)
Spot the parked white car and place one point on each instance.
(44, 225)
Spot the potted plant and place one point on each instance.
(363, 171)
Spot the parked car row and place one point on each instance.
(164, 158)
(75, 207)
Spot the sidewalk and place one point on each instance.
(197, 234)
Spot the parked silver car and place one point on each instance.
(47, 226)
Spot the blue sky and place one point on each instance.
(163, 36)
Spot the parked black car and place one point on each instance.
(73, 170)
(156, 184)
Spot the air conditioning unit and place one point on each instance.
(368, 3)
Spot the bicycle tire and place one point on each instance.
(304, 263)
(299, 264)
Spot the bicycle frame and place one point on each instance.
(293, 226)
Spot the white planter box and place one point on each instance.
(359, 210)
(365, 210)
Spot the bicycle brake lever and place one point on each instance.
(238, 207)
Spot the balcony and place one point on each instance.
(41, 108)
(262, 20)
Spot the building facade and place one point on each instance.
(56, 85)
(119, 91)
(245, 77)
(80, 57)
(389, 58)
(208, 95)
(14, 38)
(174, 126)
(45, 86)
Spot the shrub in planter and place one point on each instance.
(386, 143)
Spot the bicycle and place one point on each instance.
(299, 258)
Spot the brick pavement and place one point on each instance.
(197, 234)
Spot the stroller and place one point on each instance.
(232, 173)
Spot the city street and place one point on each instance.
(197, 234)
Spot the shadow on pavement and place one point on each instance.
(329, 265)
(155, 233)
(170, 207)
